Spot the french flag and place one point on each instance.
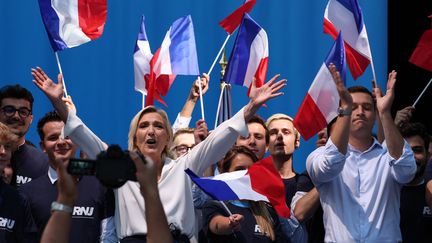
(70, 23)
(346, 16)
(176, 56)
(320, 105)
(261, 182)
(249, 57)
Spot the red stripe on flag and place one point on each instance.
(357, 63)
(309, 119)
(422, 55)
(265, 180)
(260, 74)
(233, 20)
(92, 16)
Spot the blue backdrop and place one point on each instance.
(99, 75)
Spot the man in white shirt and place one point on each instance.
(359, 179)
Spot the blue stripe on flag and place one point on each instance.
(337, 56)
(239, 59)
(51, 22)
(142, 35)
(217, 189)
(354, 7)
(183, 54)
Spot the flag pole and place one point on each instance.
(60, 69)
(219, 103)
(418, 98)
(220, 51)
(201, 99)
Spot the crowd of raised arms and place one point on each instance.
(357, 187)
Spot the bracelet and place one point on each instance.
(56, 206)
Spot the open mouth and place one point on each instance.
(151, 141)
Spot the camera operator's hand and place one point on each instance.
(146, 173)
(66, 184)
(157, 224)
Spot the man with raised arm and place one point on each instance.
(359, 179)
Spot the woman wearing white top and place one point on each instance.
(150, 133)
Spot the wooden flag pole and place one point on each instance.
(60, 69)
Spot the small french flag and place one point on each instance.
(320, 105)
(142, 56)
(249, 57)
(261, 182)
(346, 16)
(72, 23)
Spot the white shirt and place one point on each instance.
(360, 191)
(174, 185)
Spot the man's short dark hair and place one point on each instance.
(16, 92)
(257, 119)
(51, 116)
(415, 129)
(364, 90)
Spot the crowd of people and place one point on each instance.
(357, 187)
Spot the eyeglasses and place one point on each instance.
(9, 111)
(182, 149)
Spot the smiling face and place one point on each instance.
(152, 137)
(54, 146)
(17, 123)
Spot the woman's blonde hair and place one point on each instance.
(263, 218)
(9, 137)
(134, 127)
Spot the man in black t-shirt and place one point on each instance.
(416, 218)
(94, 203)
(16, 106)
(284, 140)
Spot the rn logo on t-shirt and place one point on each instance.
(20, 180)
(6, 223)
(83, 212)
(427, 212)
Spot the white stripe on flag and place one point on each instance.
(323, 91)
(142, 59)
(163, 63)
(69, 29)
(258, 51)
(243, 188)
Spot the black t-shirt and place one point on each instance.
(93, 204)
(250, 231)
(290, 188)
(416, 217)
(428, 172)
(16, 222)
(28, 163)
(314, 225)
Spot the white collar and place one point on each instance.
(52, 175)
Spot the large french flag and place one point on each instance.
(176, 56)
(346, 16)
(249, 57)
(70, 23)
(320, 105)
(142, 56)
(261, 182)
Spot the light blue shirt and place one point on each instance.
(360, 191)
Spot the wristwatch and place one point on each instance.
(344, 112)
(56, 206)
